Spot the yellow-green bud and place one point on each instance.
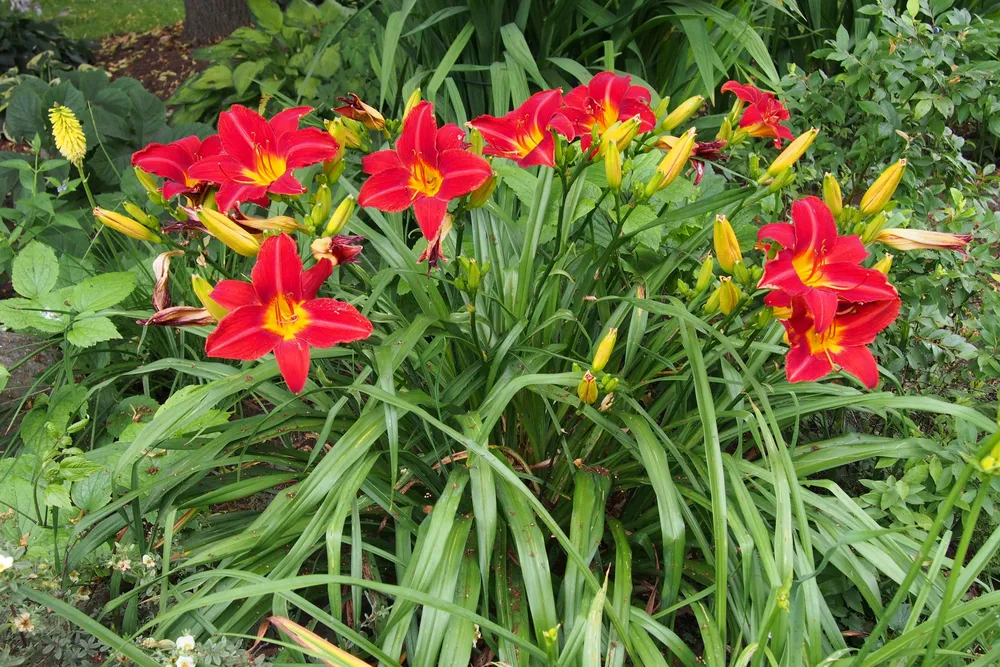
(683, 112)
(613, 166)
(712, 305)
(661, 108)
(792, 153)
(412, 101)
(587, 389)
(726, 131)
(878, 195)
(874, 226)
(705, 275)
(147, 181)
(125, 225)
(884, 264)
(672, 164)
(729, 295)
(988, 463)
(832, 195)
(741, 273)
(321, 208)
(604, 349)
(727, 248)
(141, 215)
(482, 194)
(340, 216)
(203, 290)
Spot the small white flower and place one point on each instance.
(74, 577)
(6, 562)
(185, 643)
(124, 565)
(148, 561)
(23, 623)
(185, 661)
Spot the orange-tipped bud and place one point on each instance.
(125, 225)
(727, 248)
(878, 195)
(587, 389)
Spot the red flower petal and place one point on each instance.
(461, 173)
(278, 269)
(430, 213)
(860, 324)
(450, 137)
(232, 193)
(232, 294)
(802, 366)
(332, 322)
(240, 130)
(609, 90)
(216, 168)
(293, 362)
(859, 362)
(544, 153)
(561, 124)
(287, 120)
(823, 307)
(419, 135)
(387, 191)
(847, 249)
(286, 184)
(240, 335)
(380, 161)
(499, 136)
(310, 146)
(169, 161)
(314, 278)
(815, 229)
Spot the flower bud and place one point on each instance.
(148, 181)
(919, 239)
(727, 248)
(871, 230)
(878, 195)
(736, 112)
(613, 166)
(742, 274)
(140, 215)
(476, 140)
(884, 264)
(705, 275)
(278, 223)
(179, 316)
(989, 463)
(661, 108)
(622, 134)
(587, 389)
(482, 194)
(471, 274)
(161, 278)
(203, 290)
(333, 170)
(357, 110)
(604, 350)
(321, 208)
(831, 194)
(683, 112)
(729, 295)
(726, 131)
(338, 249)
(125, 225)
(792, 153)
(340, 216)
(672, 164)
(226, 230)
(712, 304)
(412, 101)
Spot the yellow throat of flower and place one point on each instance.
(285, 317)
(268, 167)
(425, 179)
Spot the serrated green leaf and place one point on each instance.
(35, 270)
(91, 331)
(102, 291)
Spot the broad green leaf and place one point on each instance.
(35, 270)
(102, 291)
(90, 331)
(267, 14)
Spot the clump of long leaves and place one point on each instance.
(441, 491)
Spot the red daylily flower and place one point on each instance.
(842, 346)
(428, 168)
(523, 135)
(279, 312)
(259, 156)
(604, 101)
(764, 115)
(818, 265)
(700, 152)
(173, 163)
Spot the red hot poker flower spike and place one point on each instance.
(173, 162)
(843, 345)
(764, 115)
(428, 168)
(259, 156)
(523, 135)
(279, 312)
(818, 265)
(604, 101)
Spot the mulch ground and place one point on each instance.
(160, 58)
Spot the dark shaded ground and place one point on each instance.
(160, 59)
